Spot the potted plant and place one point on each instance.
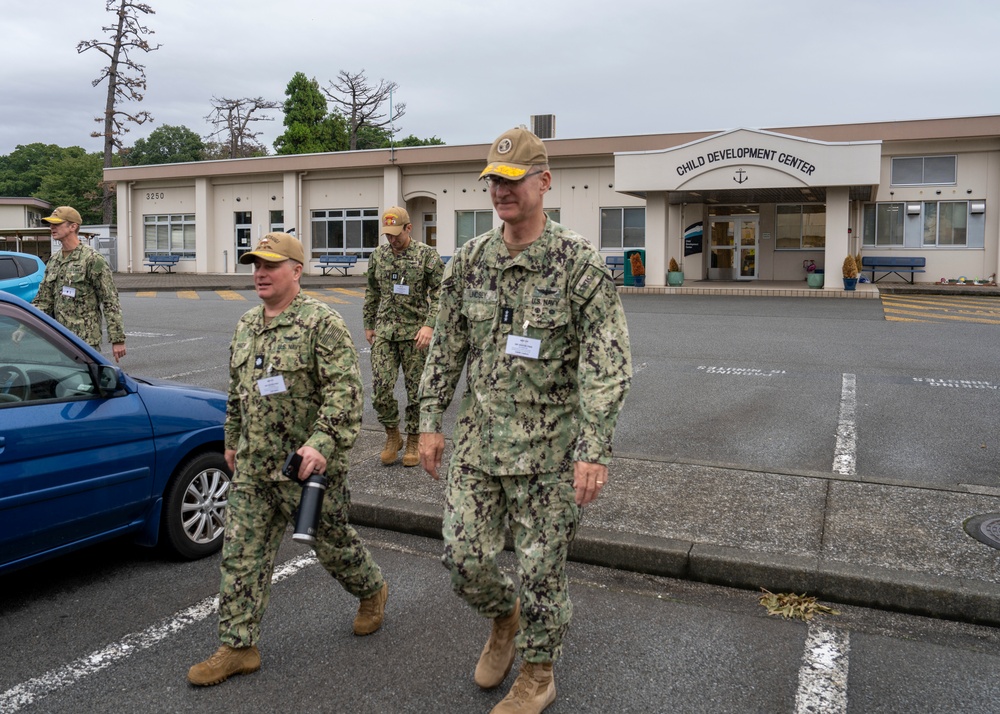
(675, 276)
(850, 273)
(638, 270)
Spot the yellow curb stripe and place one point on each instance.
(326, 298)
(348, 291)
(188, 295)
(943, 318)
(229, 295)
(146, 293)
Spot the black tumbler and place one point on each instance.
(310, 506)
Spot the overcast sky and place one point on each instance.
(469, 70)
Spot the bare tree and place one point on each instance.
(362, 102)
(126, 80)
(232, 118)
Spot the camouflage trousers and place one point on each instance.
(256, 520)
(543, 518)
(387, 357)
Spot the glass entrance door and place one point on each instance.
(733, 248)
(244, 237)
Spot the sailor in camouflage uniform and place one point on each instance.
(78, 284)
(531, 313)
(401, 304)
(294, 386)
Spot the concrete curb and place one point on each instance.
(913, 593)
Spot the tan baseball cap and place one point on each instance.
(64, 214)
(394, 220)
(514, 153)
(276, 247)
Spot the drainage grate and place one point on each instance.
(985, 529)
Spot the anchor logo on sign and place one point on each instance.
(741, 176)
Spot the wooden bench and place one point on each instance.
(615, 263)
(343, 263)
(894, 264)
(164, 262)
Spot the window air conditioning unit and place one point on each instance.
(913, 209)
(543, 125)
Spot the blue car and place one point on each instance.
(21, 274)
(89, 453)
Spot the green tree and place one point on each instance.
(412, 140)
(308, 127)
(167, 145)
(76, 179)
(22, 171)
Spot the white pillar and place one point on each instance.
(658, 238)
(837, 240)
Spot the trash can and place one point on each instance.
(629, 278)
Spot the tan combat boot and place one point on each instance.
(412, 455)
(533, 690)
(371, 612)
(393, 443)
(498, 655)
(226, 662)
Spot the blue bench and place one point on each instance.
(615, 263)
(343, 263)
(164, 262)
(895, 264)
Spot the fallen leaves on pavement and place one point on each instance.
(791, 606)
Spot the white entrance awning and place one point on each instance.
(752, 166)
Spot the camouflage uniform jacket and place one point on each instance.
(395, 316)
(309, 347)
(522, 415)
(88, 276)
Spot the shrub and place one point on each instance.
(673, 267)
(850, 267)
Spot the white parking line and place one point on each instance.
(172, 342)
(823, 675)
(845, 455)
(185, 375)
(28, 692)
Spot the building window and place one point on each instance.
(923, 170)
(946, 223)
(623, 228)
(800, 227)
(883, 225)
(469, 224)
(352, 231)
(169, 235)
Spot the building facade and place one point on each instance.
(744, 204)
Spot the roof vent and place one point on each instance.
(543, 125)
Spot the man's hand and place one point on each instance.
(118, 350)
(431, 448)
(370, 336)
(230, 455)
(588, 480)
(423, 338)
(313, 462)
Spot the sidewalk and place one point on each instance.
(875, 545)
(840, 539)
